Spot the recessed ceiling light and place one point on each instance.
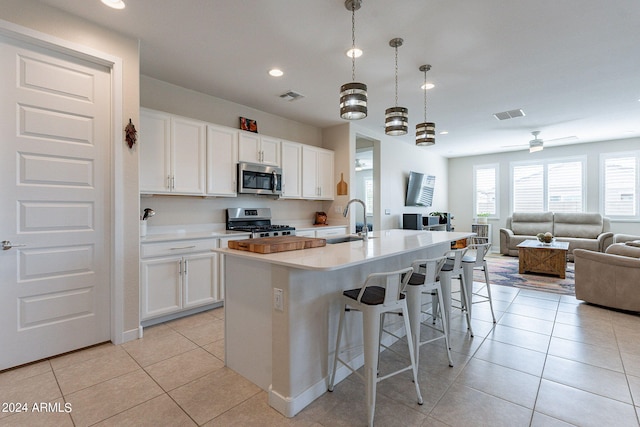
(355, 52)
(115, 4)
(275, 72)
(444, 132)
(427, 86)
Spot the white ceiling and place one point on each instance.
(573, 66)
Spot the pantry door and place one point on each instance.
(55, 205)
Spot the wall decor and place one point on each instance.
(131, 134)
(248, 125)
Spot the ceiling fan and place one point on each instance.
(537, 144)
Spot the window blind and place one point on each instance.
(528, 188)
(564, 183)
(485, 190)
(620, 191)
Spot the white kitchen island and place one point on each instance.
(285, 345)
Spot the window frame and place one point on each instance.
(545, 178)
(496, 171)
(602, 184)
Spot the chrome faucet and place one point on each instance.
(364, 209)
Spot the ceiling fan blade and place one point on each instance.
(563, 139)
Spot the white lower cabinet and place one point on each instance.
(306, 233)
(177, 276)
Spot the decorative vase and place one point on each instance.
(481, 220)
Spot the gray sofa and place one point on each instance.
(581, 230)
(611, 279)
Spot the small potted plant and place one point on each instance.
(482, 218)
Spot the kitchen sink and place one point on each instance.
(344, 239)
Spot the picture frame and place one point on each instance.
(248, 125)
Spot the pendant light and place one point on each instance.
(396, 119)
(425, 131)
(353, 96)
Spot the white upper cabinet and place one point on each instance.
(317, 173)
(172, 154)
(254, 148)
(155, 152)
(222, 157)
(291, 156)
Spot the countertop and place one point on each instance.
(381, 244)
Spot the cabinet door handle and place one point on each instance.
(183, 247)
(180, 268)
(169, 182)
(173, 182)
(186, 263)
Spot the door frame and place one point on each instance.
(115, 166)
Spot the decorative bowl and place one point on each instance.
(545, 238)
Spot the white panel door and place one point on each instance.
(291, 170)
(310, 188)
(325, 174)
(55, 211)
(222, 160)
(270, 149)
(155, 152)
(199, 280)
(188, 155)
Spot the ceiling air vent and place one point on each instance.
(291, 96)
(511, 114)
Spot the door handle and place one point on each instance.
(6, 245)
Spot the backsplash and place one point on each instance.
(174, 210)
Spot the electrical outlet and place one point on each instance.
(278, 299)
(387, 211)
(338, 209)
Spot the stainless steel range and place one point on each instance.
(257, 221)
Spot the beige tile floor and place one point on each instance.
(549, 361)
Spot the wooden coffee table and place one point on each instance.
(536, 257)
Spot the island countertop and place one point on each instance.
(381, 244)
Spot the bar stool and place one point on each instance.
(380, 293)
(452, 269)
(470, 263)
(419, 285)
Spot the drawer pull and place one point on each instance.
(183, 247)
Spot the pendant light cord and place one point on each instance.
(396, 75)
(353, 41)
(425, 95)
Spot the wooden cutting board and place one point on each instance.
(269, 245)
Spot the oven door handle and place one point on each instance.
(274, 182)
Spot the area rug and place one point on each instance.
(503, 270)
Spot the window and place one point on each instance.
(620, 177)
(485, 187)
(550, 185)
(368, 191)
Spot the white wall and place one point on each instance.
(163, 96)
(461, 180)
(42, 18)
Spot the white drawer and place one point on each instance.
(177, 247)
(340, 231)
(306, 233)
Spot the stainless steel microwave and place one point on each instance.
(259, 179)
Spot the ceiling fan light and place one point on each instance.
(535, 145)
(396, 121)
(425, 134)
(353, 101)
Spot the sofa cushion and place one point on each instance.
(624, 250)
(635, 243)
(531, 223)
(581, 225)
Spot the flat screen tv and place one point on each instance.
(420, 189)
